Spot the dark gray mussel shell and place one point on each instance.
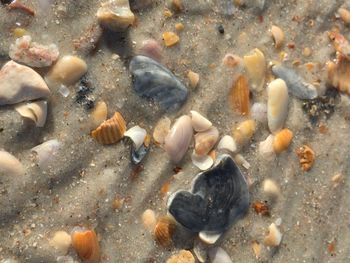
(218, 198)
(153, 81)
(138, 155)
(296, 84)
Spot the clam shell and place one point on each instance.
(179, 138)
(209, 238)
(278, 36)
(282, 140)
(184, 256)
(227, 143)
(46, 153)
(61, 241)
(244, 132)
(137, 135)
(239, 95)
(205, 141)
(339, 74)
(274, 238)
(255, 65)
(149, 219)
(99, 114)
(161, 130)
(86, 245)
(259, 112)
(344, 15)
(266, 150)
(111, 130)
(10, 165)
(218, 255)
(277, 104)
(199, 122)
(164, 231)
(36, 111)
(203, 162)
(218, 198)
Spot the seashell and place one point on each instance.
(164, 231)
(111, 130)
(137, 155)
(33, 54)
(227, 143)
(99, 114)
(231, 61)
(218, 255)
(65, 259)
(277, 104)
(344, 15)
(259, 112)
(67, 70)
(278, 36)
(177, 5)
(199, 122)
(203, 162)
(282, 140)
(151, 48)
(46, 153)
(339, 74)
(20, 83)
(161, 130)
(179, 138)
(239, 95)
(10, 165)
(244, 132)
(184, 256)
(86, 244)
(205, 141)
(296, 84)
(274, 238)
(170, 39)
(36, 111)
(200, 250)
(115, 15)
(209, 238)
(340, 43)
(149, 219)
(240, 160)
(306, 157)
(261, 208)
(153, 81)
(266, 149)
(137, 135)
(271, 188)
(193, 78)
(256, 248)
(255, 65)
(61, 241)
(179, 27)
(217, 199)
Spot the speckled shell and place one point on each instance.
(164, 231)
(86, 245)
(111, 130)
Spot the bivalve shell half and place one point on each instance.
(137, 135)
(282, 140)
(218, 255)
(161, 130)
(266, 149)
(111, 130)
(99, 114)
(164, 231)
(244, 132)
(184, 256)
(205, 141)
(274, 238)
(10, 165)
(193, 78)
(203, 162)
(227, 143)
(278, 36)
(46, 153)
(339, 74)
(277, 104)
(239, 95)
(344, 15)
(36, 111)
(199, 122)
(209, 238)
(255, 65)
(149, 219)
(86, 244)
(61, 241)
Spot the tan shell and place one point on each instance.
(274, 238)
(344, 15)
(255, 65)
(244, 132)
(99, 114)
(339, 74)
(271, 188)
(149, 219)
(306, 157)
(282, 140)
(161, 130)
(170, 39)
(205, 141)
(10, 165)
(164, 231)
(278, 36)
(111, 130)
(193, 78)
(184, 256)
(86, 245)
(239, 95)
(61, 241)
(199, 122)
(36, 111)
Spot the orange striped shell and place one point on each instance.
(111, 130)
(86, 245)
(164, 231)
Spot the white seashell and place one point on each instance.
(137, 135)
(205, 141)
(10, 165)
(203, 162)
(271, 188)
(277, 104)
(46, 153)
(36, 111)
(259, 112)
(266, 150)
(218, 255)
(255, 65)
(227, 143)
(199, 122)
(209, 238)
(20, 83)
(65, 259)
(274, 238)
(179, 138)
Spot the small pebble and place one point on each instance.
(179, 26)
(221, 29)
(193, 78)
(170, 39)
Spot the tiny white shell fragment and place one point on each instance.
(274, 238)
(266, 150)
(137, 135)
(259, 112)
(218, 255)
(227, 143)
(64, 91)
(271, 188)
(46, 153)
(36, 111)
(10, 165)
(209, 238)
(199, 122)
(203, 162)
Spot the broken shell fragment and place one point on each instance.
(255, 65)
(46, 153)
(232, 61)
(137, 135)
(205, 141)
(149, 219)
(295, 83)
(137, 155)
(20, 83)
(239, 95)
(36, 111)
(199, 122)
(86, 244)
(266, 149)
(278, 36)
(99, 114)
(244, 132)
(344, 15)
(209, 237)
(115, 15)
(151, 48)
(217, 199)
(340, 43)
(282, 140)
(170, 39)
(218, 255)
(339, 74)
(200, 250)
(203, 162)
(61, 241)
(277, 104)
(164, 231)
(274, 238)
(10, 165)
(193, 78)
(306, 157)
(259, 112)
(184, 256)
(271, 188)
(111, 130)
(179, 138)
(161, 130)
(227, 143)
(68, 70)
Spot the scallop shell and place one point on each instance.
(218, 255)
(46, 153)
(239, 95)
(36, 111)
(111, 130)
(255, 65)
(137, 135)
(203, 162)
(99, 114)
(339, 74)
(164, 231)
(277, 104)
(244, 132)
(199, 122)
(278, 36)
(86, 245)
(205, 141)
(282, 140)
(10, 165)
(227, 143)
(274, 238)
(218, 198)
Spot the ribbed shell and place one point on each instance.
(164, 231)
(111, 130)
(86, 245)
